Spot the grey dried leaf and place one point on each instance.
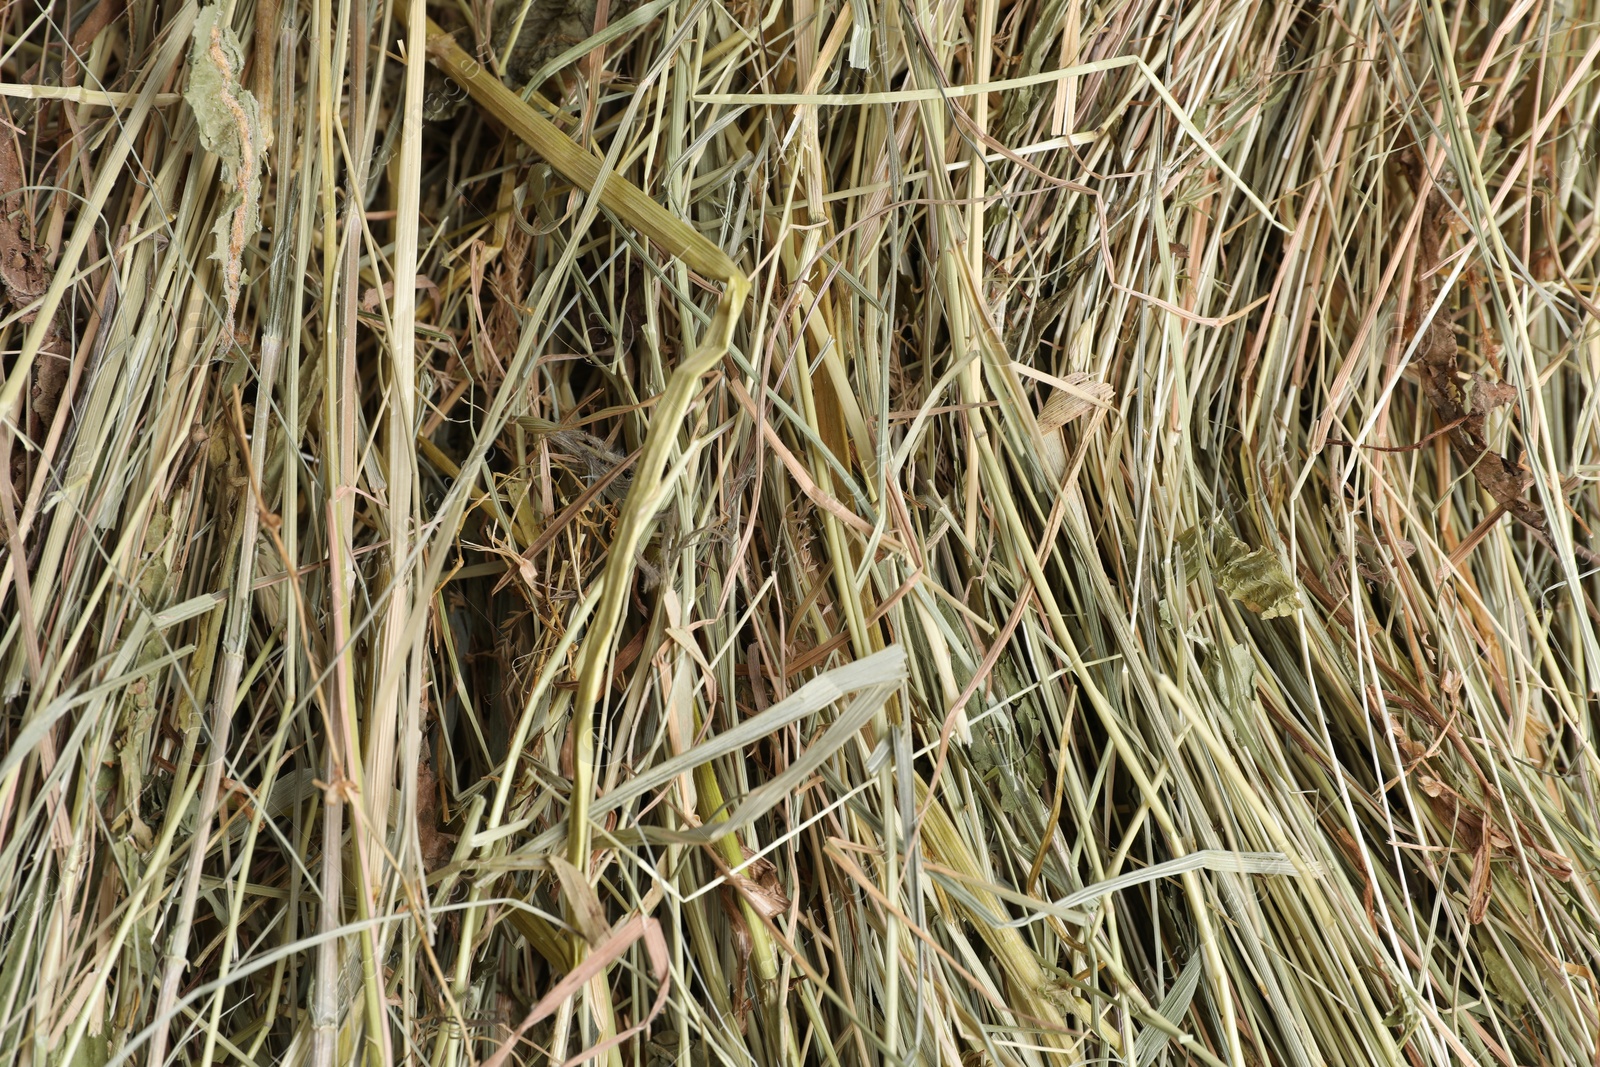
(229, 120)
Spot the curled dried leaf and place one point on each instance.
(1478, 886)
(1254, 577)
(1259, 581)
(1065, 405)
(758, 885)
(1487, 396)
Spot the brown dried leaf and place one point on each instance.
(1507, 482)
(24, 266)
(1487, 396)
(1555, 864)
(583, 906)
(760, 889)
(616, 942)
(370, 297)
(436, 846)
(1478, 887)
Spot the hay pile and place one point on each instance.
(843, 533)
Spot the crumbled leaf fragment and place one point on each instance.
(1232, 674)
(229, 118)
(1259, 581)
(1254, 577)
(1192, 546)
(1503, 980)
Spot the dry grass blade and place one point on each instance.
(643, 532)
